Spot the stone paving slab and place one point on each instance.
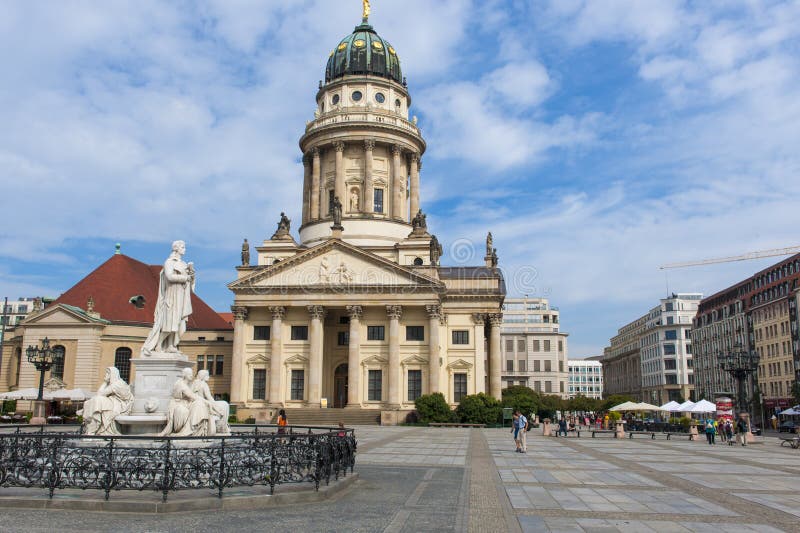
(788, 503)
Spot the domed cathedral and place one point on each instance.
(359, 313)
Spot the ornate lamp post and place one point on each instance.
(42, 358)
(740, 364)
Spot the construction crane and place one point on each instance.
(744, 257)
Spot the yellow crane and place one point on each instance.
(744, 257)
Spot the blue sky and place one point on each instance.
(595, 139)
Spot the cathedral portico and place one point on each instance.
(359, 313)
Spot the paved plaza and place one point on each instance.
(426, 479)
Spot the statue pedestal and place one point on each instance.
(155, 377)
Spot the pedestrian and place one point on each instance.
(774, 421)
(562, 427)
(522, 434)
(720, 426)
(710, 431)
(742, 428)
(342, 432)
(282, 421)
(515, 429)
(729, 431)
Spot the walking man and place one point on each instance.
(522, 430)
(742, 428)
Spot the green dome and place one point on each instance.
(364, 52)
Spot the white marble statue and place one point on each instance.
(189, 414)
(113, 399)
(174, 305)
(218, 424)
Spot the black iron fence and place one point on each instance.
(49, 458)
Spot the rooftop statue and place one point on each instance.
(245, 253)
(173, 307)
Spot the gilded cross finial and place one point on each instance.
(365, 14)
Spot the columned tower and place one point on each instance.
(361, 147)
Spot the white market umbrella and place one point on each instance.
(626, 406)
(790, 412)
(643, 406)
(685, 407)
(74, 395)
(671, 406)
(704, 406)
(21, 394)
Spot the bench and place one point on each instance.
(653, 434)
(794, 442)
(604, 432)
(454, 425)
(576, 431)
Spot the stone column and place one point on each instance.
(238, 366)
(276, 358)
(306, 189)
(495, 357)
(354, 357)
(395, 386)
(315, 186)
(316, 336)
(369, 195)
(339, 185)
(398, 183)
(479, 319)
(434, 374)
(414, 159)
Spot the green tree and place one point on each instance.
(582, 403)
(479, 409)
(522, 398)
(433, 408)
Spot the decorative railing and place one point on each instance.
(359, 114)
(52, 459)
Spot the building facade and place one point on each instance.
(17, 310)
(534, 349)
(585, 378)
(102, 321)
(622, 361)
(359, 312)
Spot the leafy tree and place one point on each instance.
(479, 409)
(522, 398)
(433, 408)
(582, 403)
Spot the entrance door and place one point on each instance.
(340, 386)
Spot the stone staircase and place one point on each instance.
(312, 416)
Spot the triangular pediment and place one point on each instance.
(54, 384)
(415, 360)
(61, 314)
(375, 360)
(334, 265)
(259, 359)
(297, 358)
(460, 364)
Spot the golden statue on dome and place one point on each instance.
(366, 10)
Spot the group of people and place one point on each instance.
(726, 429)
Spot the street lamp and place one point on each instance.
(42, 358)
(740, 363)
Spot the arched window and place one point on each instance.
(59, 354)
(122, 360)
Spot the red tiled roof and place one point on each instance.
(112, 285)
(227, 317)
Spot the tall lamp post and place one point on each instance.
(42, 358)
(740, 364)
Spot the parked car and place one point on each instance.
(787, 427)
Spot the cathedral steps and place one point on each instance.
(313, 416)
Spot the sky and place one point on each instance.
(596, 139)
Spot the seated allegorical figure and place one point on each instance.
(114, 398)
(218, 425)
(189, 414)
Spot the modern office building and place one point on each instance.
(585, 378)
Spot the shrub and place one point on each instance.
(232, 419)
(685, 422)
(614, 415)
(433, 408)
(250, 420)
(479, 409)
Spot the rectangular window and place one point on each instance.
(509, 365)
(668, 306)
(375, 385)
(672, 379)
(376, 333)
(299, 333)
(415, 333)
(414, 384)
(331, 196)
(260, 333)
(670, 364)
(344, 320)
(560, 346)
(561, 386)
(210, 364)
(343, 338)
(378, 200)
(535, 346)
(561, 366)
(547, 366)
(201, 362)
(460, 387)
(548, 386)
(671, 335)
(521, 345)
(536, 365)
(509, 345)
(537, 386)
(220, 365)
(259, 384)
(461, 336)
(670, 320)
(669, 349)
(522, 365)
(298, 384)
(546, 346)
